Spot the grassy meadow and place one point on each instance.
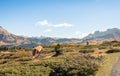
(74, 60)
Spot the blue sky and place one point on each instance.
(59, 18)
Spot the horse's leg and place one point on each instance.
(38, 55)
(33, 53)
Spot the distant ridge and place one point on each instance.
(99, 37)
(11, 40)
(7, 38)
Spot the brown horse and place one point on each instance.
(37, 50)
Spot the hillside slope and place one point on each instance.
(99, 37)
(11, 40)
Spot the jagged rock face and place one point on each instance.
(108, 35)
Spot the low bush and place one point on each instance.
(57, 49)
(113, 51)
(3, 61)
(102, 47)
(88, 46)
(72, 65)
(25, 71)
(86, 50)
(63, 65)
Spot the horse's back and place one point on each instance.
(38, 48)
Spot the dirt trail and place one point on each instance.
(116, 69)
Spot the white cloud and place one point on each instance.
(79, 34)
(42, 23)
(63, 25)
(46, 23)
(48, 30)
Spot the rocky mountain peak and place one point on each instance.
(100, 36)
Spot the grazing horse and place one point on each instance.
(37, 50)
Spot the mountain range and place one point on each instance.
(101, 36)
(12, 40)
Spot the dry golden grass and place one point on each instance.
(98, 52)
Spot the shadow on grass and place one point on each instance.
(58, 52)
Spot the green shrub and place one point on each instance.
(102, 47)
(89, 46)
(113, 51)
(86, 50)
(25, 71)
(58, 51)
(76, 65)
(3, 61)
(106, 44)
